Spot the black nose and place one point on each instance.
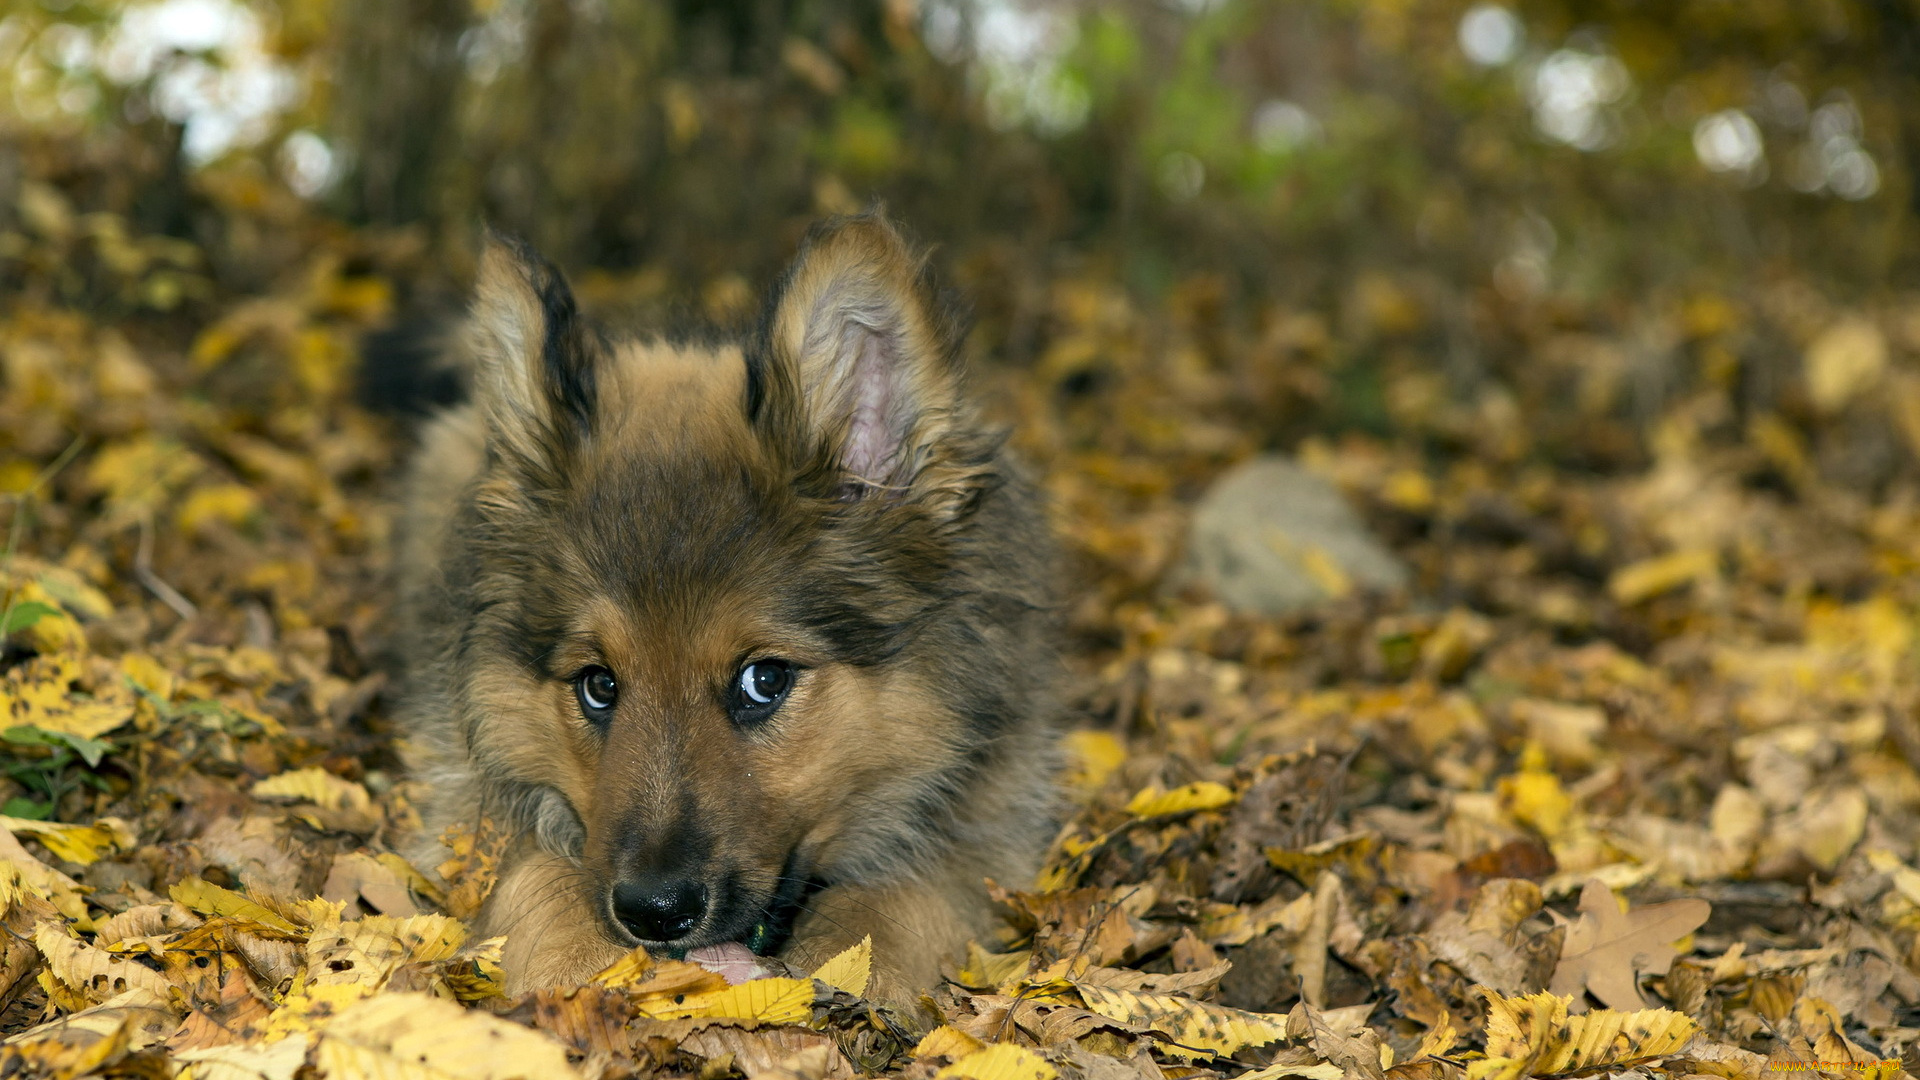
(659, 909)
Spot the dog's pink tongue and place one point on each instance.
(731, 961)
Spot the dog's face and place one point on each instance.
(702, 581)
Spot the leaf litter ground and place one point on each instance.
(1626, 785)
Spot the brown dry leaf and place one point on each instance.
(240, 1016)
(760, 1052)
(1484, 942)
(358, 876)
(590, 1019)
(473, 867)
(1607, 949)
(1341, 1037)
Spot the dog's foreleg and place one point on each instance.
(543, 904)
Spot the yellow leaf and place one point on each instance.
(279, 1060)
(228, 503)
(1534, 1035)
(54, 631)
(947, 1041)
(210, 899)
(850, 970)
(1189, 1028)
(1649, 578)
(760, 1001)
(1094, 756)
(416, 1035)
(1325, 571)
(148, 674)
(1845, 360)
(1439, 1039)
(1535, 798)
(366, 952)
(316, 786)
(989, 971)
(91, 1038)
(39, 693)
(95, 973)
(1001, 1061)
(308, 1007)
(23, 875)
(137, 473)
(626, 971)
(1202, 795)
(83, 844)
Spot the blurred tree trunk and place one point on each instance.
(394, 99)
(1899, 25)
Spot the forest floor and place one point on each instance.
(1625, 782)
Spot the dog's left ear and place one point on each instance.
(535, 360)
(856, 371)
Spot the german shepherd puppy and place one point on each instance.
(748, 644)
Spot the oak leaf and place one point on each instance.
(1608, 950)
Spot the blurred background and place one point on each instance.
(1445, 242)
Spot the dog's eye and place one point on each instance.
(760, 689)
(597, 690)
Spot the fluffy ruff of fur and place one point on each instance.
(821, 493)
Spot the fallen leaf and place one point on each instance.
(1607, 950)
(850, 969)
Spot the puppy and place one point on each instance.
(747, 643)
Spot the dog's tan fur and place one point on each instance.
(821, 492)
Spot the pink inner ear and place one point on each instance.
(874, 430)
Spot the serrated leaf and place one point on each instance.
(1001, 1061)
(1200, 795)
(1535, 1036)
(759, 1001)
(209, 899)
(851, 969)
(1190, 1028)
(94, 973)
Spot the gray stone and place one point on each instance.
(1271, 538)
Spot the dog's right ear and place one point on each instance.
(534, 362)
